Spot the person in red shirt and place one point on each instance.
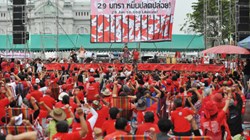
(4, 65)
(213, 120)
(92, 89)
(78, 92)
(62, 128)
(182, 126)
(149, 123)
(108, 126)
(48, 100)
(136, 55)
(36, 93)
(102, 111)
(5, 101)
(66, 101)
(120, 126)
(142, 109)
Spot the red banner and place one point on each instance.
(142, 67)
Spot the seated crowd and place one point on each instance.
(107, 104)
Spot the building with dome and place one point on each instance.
(49, 16)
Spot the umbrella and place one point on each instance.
(245, 43)
(226, 49)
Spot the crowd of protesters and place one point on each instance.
(80, 103)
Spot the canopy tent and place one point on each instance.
(67, 42)
(226, 49)
(245, 43)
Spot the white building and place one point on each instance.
(73, 16)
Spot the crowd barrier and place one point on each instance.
(142, 67)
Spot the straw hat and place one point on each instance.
(58, 114)
(106, 92)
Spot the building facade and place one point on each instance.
(50, 16)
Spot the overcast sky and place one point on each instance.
(182, 7)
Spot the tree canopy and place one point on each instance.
(195, 20)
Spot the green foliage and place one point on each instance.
(195, 20)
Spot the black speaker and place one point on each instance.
(19, 2)
(211, 61)
(243, 27)
(19, 16)
(19, 37)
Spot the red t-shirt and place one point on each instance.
(49, 101)
(108, 127)
(116, 133)
(25, 84)
(103, 114)
(92, 89)
(178, 118)
(152, 108)
(77, 127)
(67, 136)
(80, 96)
(212, 128)
(136, 55)
(37, 95)
(146, 127)
(12, 65)
(3, 103)
(4, 66)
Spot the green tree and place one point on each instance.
(195, 20)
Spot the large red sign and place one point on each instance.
(150, 21)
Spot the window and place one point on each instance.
(81, 13)
(76, 13)
(87, 13)
(84, 13)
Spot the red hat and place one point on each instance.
(64, 86)
(52, 76)
(169, 81)
(218, 99)
(7, 75)
(28, 96)
(229, 83)
(91, 79)
(210, 109)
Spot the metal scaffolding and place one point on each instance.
(49, 20)
(212, 22)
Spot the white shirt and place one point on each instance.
(43, 89)
(13, 88)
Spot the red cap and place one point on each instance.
(169, 81)
(64, 86)
(229, 83)
(91, 79)
(7, 75)
(210, 109)
(217, 97)
(52, 76)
